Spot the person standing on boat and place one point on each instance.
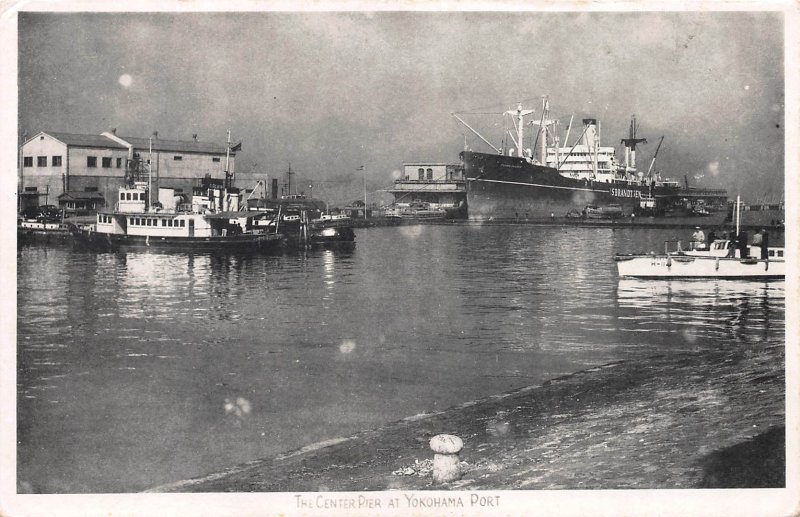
(733, 245)
(741, 241)
(698, 239)
(757, 239)
(711, 238)
(764, 244)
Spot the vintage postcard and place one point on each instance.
(424, 258)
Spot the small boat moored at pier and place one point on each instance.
(213, 221)
(304, 223)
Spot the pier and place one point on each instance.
(712, 419)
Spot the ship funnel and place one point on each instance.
(590, 135)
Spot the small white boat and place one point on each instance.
(603, 212)
(719, 261)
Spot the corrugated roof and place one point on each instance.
(181, 146)
(81, 195)
(85, 140)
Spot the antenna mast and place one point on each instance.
(150, 176)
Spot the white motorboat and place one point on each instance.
(716, 262)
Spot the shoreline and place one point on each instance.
(708, 419)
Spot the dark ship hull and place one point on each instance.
(512, 188)
(110, 242)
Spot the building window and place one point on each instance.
(183, 223)
(119, 163)
(177, 158)
(41, 161)
(430, 174)
(163, 222)
(90, 189)
(215, 159)
(27, 161)
(421, 173)
(31, 189)
(122, 196)
(56, 161)
(106, 163)
(91, 161)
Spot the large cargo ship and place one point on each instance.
(583, 180)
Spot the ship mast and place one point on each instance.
(543, 123)
(150, 176)
(227, 159)
(630, 145)
(519, 113)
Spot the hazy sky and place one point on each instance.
(331, 91)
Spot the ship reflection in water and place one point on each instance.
(138, 369)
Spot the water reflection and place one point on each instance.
(637, 292)
(173, 365)
(736, 310)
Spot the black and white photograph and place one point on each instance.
(400, 258)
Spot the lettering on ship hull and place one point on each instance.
(626, 192)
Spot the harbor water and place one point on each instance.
(136, 369)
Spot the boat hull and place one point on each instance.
(509, 187)
(28, 232)
(231, 242)
(688, 267)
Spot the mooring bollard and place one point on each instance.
(446, 466)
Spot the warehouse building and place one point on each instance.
(439, 185)
(82, 172)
